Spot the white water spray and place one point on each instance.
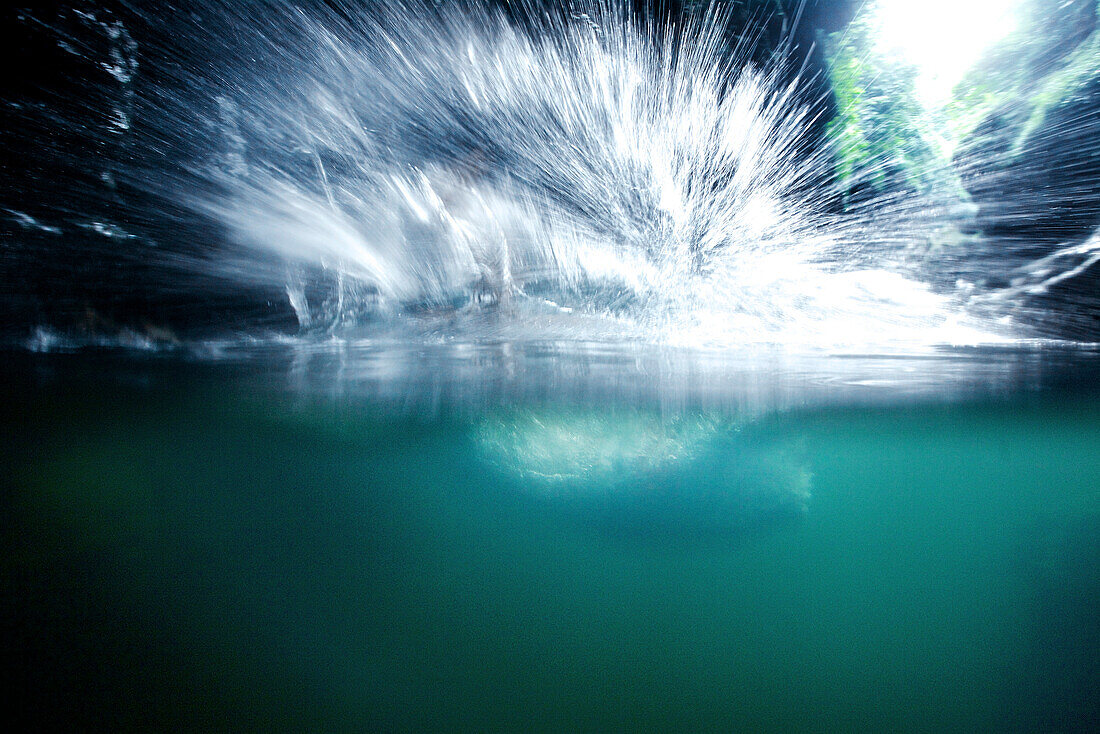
(586, 178)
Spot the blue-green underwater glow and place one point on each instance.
(606, 538)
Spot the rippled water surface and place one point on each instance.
(515, 535)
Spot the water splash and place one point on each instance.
(593, 175)
(460, 172)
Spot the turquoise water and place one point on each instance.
(523, 537)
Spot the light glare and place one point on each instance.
(943, 38)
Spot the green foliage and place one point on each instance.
(883, 136)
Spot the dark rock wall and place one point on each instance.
(1032, 165)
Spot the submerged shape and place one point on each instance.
(575, 445)
(640, 471)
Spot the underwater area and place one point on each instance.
(286, 541)
(537, 365)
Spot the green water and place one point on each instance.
(203, 546)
